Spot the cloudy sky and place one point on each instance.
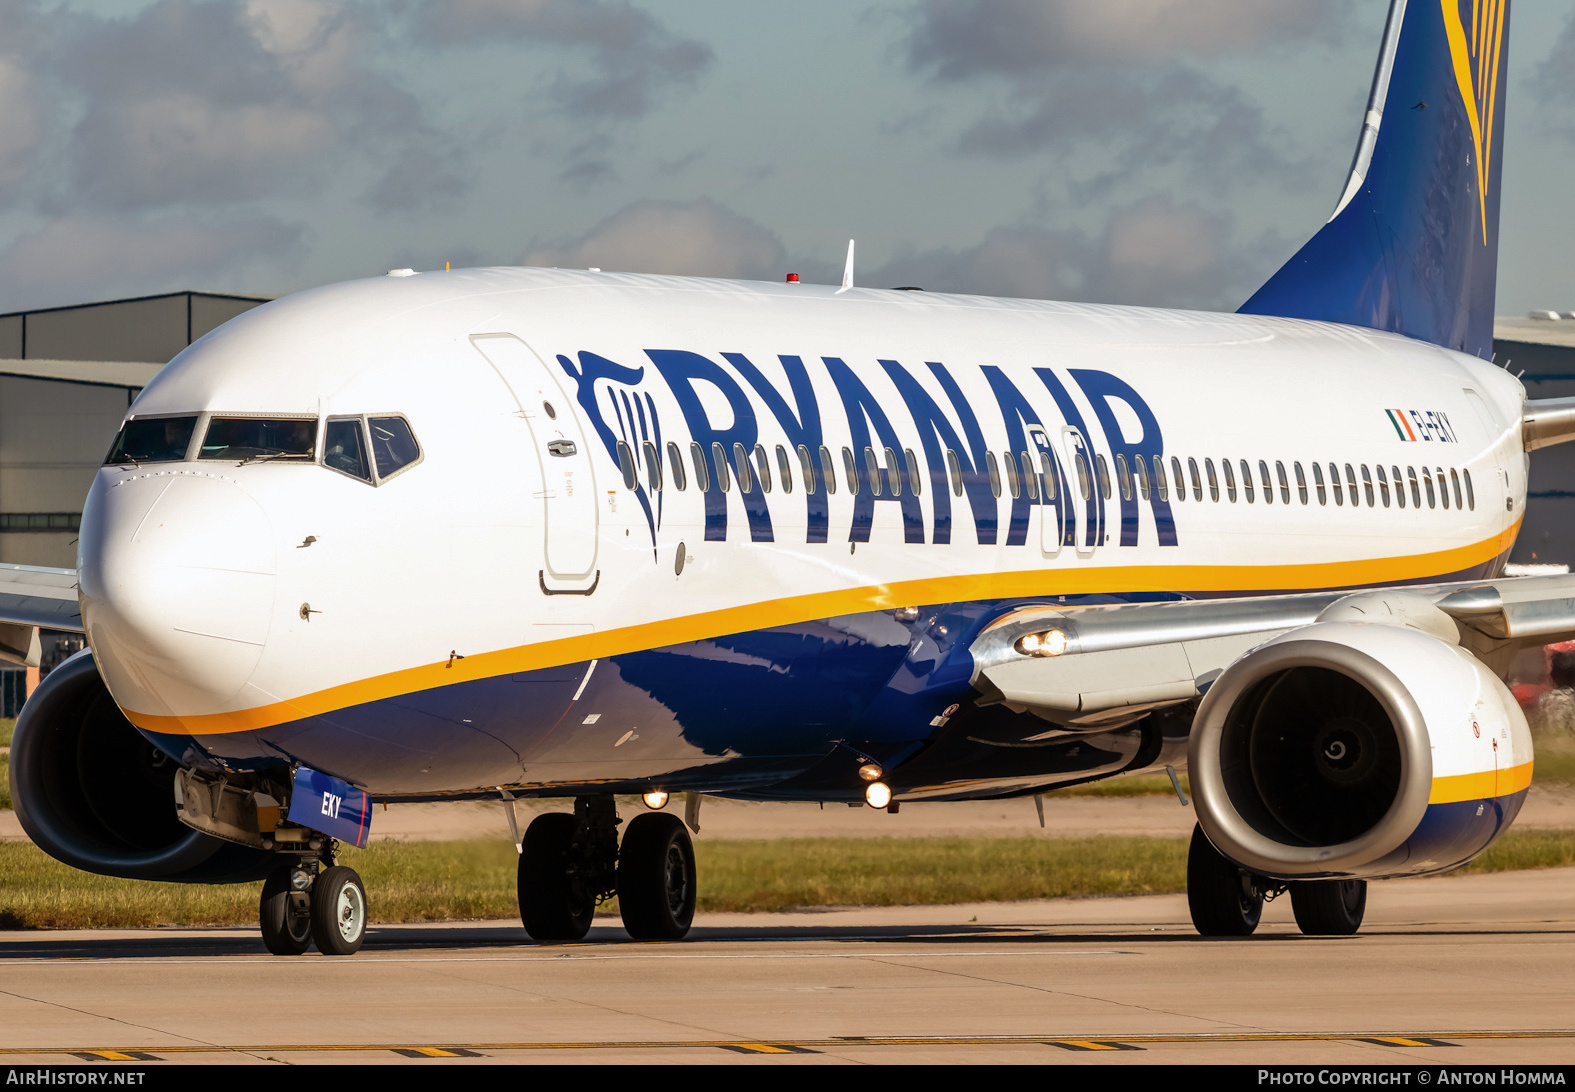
(1164, 152)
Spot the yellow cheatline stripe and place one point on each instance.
(799, 608)
(1485, 785)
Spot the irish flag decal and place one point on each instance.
(1397, 419)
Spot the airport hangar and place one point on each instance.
(67, 375)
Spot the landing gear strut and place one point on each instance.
(571, 863)
(301, 905)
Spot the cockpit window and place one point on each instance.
(255, 438)
(152, 440)
(344, 449)
(394, 446)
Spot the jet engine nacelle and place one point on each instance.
(1357, 750)
(93, 792)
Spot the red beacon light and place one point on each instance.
(792, 278)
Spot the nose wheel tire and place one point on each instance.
(553, 906)
(656, 878)
(338, 911)
(286, 929)
(1224, 898)
(1331, 908)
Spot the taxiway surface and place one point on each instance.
(1464, 969)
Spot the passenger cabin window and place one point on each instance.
(1416, 490)
(995, 472)
(1350, 480)
(1049, 474)
(1334, 483)
(1285, 485)
(1013, 484)
(746, 480)
(1123, 477)
(626, 465)
(1323, 497)
(1246, 483)
(1454, 483)
(1181, 482)
(1383, 484)
(653, 467)
(1367, 486)
(893, 472)
(808, 467)
(851, 471)
(1471, 496)
(719, 459)
(1301, 482)
(344, 448)
(1159, 479)
(828, 470)
(247, 439)
(1102, 468)
(785, 469)
(1399, 486)
(1214, 482)
(1081, 466)
(675, 466)
(914, 481)
(702, 475)
(152, 440)
(954, 472)
(1268, 486)
(1141, 467)
(763, 467)
(1443, 488)
(872, 470)
(1427, 480)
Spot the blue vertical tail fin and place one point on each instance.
(1412, 246)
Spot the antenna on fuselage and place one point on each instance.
(847, 270)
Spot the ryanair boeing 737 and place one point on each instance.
(524, 533)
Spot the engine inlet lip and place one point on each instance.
(1238, 839)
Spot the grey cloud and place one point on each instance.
(697, 238)
(1152, 253)
(209, 102)
(88, 257)
(633, 57)
(960, 39)
(585, 173)
(420, 178)
(1109, 86)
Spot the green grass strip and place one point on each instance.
(446, 881)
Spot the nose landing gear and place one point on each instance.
(300, 906)
(569, 864)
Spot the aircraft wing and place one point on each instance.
(31, 598)
(1100, 667)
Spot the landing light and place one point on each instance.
(1052, 642)
(878, 795)
(870, 771)
(656, 800)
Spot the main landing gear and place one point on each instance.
(571, 863)
(1226, 900)
(301, 905)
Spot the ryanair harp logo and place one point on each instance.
(1475, 53)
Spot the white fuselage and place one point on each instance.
(223, 598)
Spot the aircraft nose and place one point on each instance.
(177, 575)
